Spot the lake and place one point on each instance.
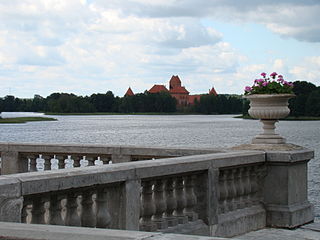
(166, 131)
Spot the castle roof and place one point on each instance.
(175, 80)
(213, 91)
(179, 90)
(158, 88)
(129, 92)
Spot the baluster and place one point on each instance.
(56, 210)
(25, 214)
(160, 204)
(254, 185)
(241, 188)
(105, 159)
(191, 198)
(103, 215)
(222, 191)
(33, 163)
(247, 186)
(171, 203)
(261, 174)
(88, 217)
(47, 162)
(76, 161)
(147, 207)
(72, 217)
(38, 210)
(223, 185)
(61, 161)
(234, 187)
(230, 190)
(181, 201)
(90, 161)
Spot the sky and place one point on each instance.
(93, 46)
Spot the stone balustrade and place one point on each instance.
(17, 158)
(217, 194)
(239, 187)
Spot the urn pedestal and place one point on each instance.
(269, 108)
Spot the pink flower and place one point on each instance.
(273, 75)
(265, 84)
(263, 74)
(290, 84)
(280, 76)
(247, 89)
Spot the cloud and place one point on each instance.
(289, 18)
(94, 46)
(307, 70)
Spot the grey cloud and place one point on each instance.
(264, 12)
(194, 8)
(191, 34)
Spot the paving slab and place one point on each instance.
(306, 232)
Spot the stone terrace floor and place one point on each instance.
(15, 231)
(307, 232)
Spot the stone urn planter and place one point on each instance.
(269, 108)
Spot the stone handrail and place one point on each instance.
(17, 158)
(217, 194)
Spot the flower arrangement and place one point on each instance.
(275, 84)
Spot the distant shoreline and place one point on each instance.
(17, 120)
(138, 113)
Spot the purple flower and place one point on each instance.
(273, 84)
(247, 89)
(273, 75)
(290, 84)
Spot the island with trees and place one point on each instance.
(306, 103)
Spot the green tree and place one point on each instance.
(68, 103)
(10, 105)
(103, 102)
(313, 103)
(301, 89)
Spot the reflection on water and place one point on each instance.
(172, 131)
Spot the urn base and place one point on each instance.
(269, 136)
(268, 140)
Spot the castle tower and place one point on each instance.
(174, 82)
(213, 92)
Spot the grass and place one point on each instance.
(25, 119)
(290, 118)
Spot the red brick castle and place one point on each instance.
(176, 90)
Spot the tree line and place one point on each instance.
(306, 103)
(145, 102)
